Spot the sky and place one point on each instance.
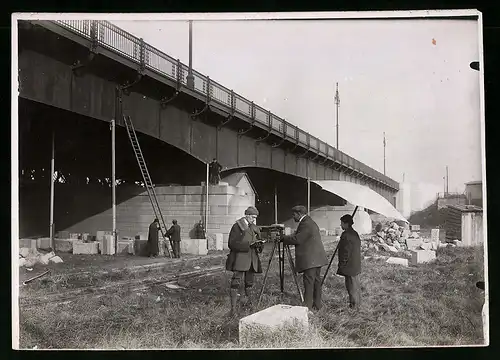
(408, 78)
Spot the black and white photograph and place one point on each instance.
(249, 180)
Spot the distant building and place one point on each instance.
(474, 193)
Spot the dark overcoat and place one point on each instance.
(309, 249)
(349, 253)
(242, 257)
(174, 233)
(153, 238)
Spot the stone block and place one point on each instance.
(322, 231)
(141, 236)
(33, 244)
(389, 248)
(64, 245)
(125, 247)
(426, 246)
(44, 259)
(215, 241)
(415, 227)
(56, 259)
(194, 246)
(272, 319)
(434, 235)
(75, 236)
(108, 245)
(413, 244)
(397, 261)
(81, 247)
(43, 243)
(86, 237)
(24, 252)
(24, 243)
(422, 256)
(63, 235)
(101, 233)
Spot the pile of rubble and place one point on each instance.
(28, 257)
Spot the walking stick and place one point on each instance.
(335, 252)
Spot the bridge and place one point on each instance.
(95, 70)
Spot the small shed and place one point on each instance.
(465, 223)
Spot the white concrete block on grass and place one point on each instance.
(215, 241)
(194, 246)
(80, 247)
(397, 261)
(422, 256)
(43, 243)
(108, 245)
(273, 318)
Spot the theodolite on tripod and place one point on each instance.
(274, 233)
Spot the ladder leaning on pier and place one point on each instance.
(147, 179)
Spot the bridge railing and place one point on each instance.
(114, 38)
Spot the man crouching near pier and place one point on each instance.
(243, 258)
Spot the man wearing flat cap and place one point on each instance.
(243, 259)
(310, 255)
(174, 233)
(350, 260)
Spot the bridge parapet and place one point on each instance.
(109, 36)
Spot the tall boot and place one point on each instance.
(234, 296)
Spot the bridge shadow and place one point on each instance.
(83, 165)
(291, 191)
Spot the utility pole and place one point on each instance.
(337, 103)
(275, 204)
(384, 152)
(447, 183)
(190, 77)
(52, 181)
(444, 186)
(113, 180)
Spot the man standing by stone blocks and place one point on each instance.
(174, 233)
(214, 172)
(310, 255)
(349, 249)
(243, 258)
(153, 238)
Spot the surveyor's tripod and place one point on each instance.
(282, 251)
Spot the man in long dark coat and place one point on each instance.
(243, 259)
(174, 233)
(153, 238)
(310, 255)
(214, 169)
(349, 248)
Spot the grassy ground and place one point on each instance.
(434, 304)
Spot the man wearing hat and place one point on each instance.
(154, 227)
(174, 233)
(310, 255)
(243, 258)
(349, 248)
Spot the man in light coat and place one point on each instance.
(243, 259)
(310, 255)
